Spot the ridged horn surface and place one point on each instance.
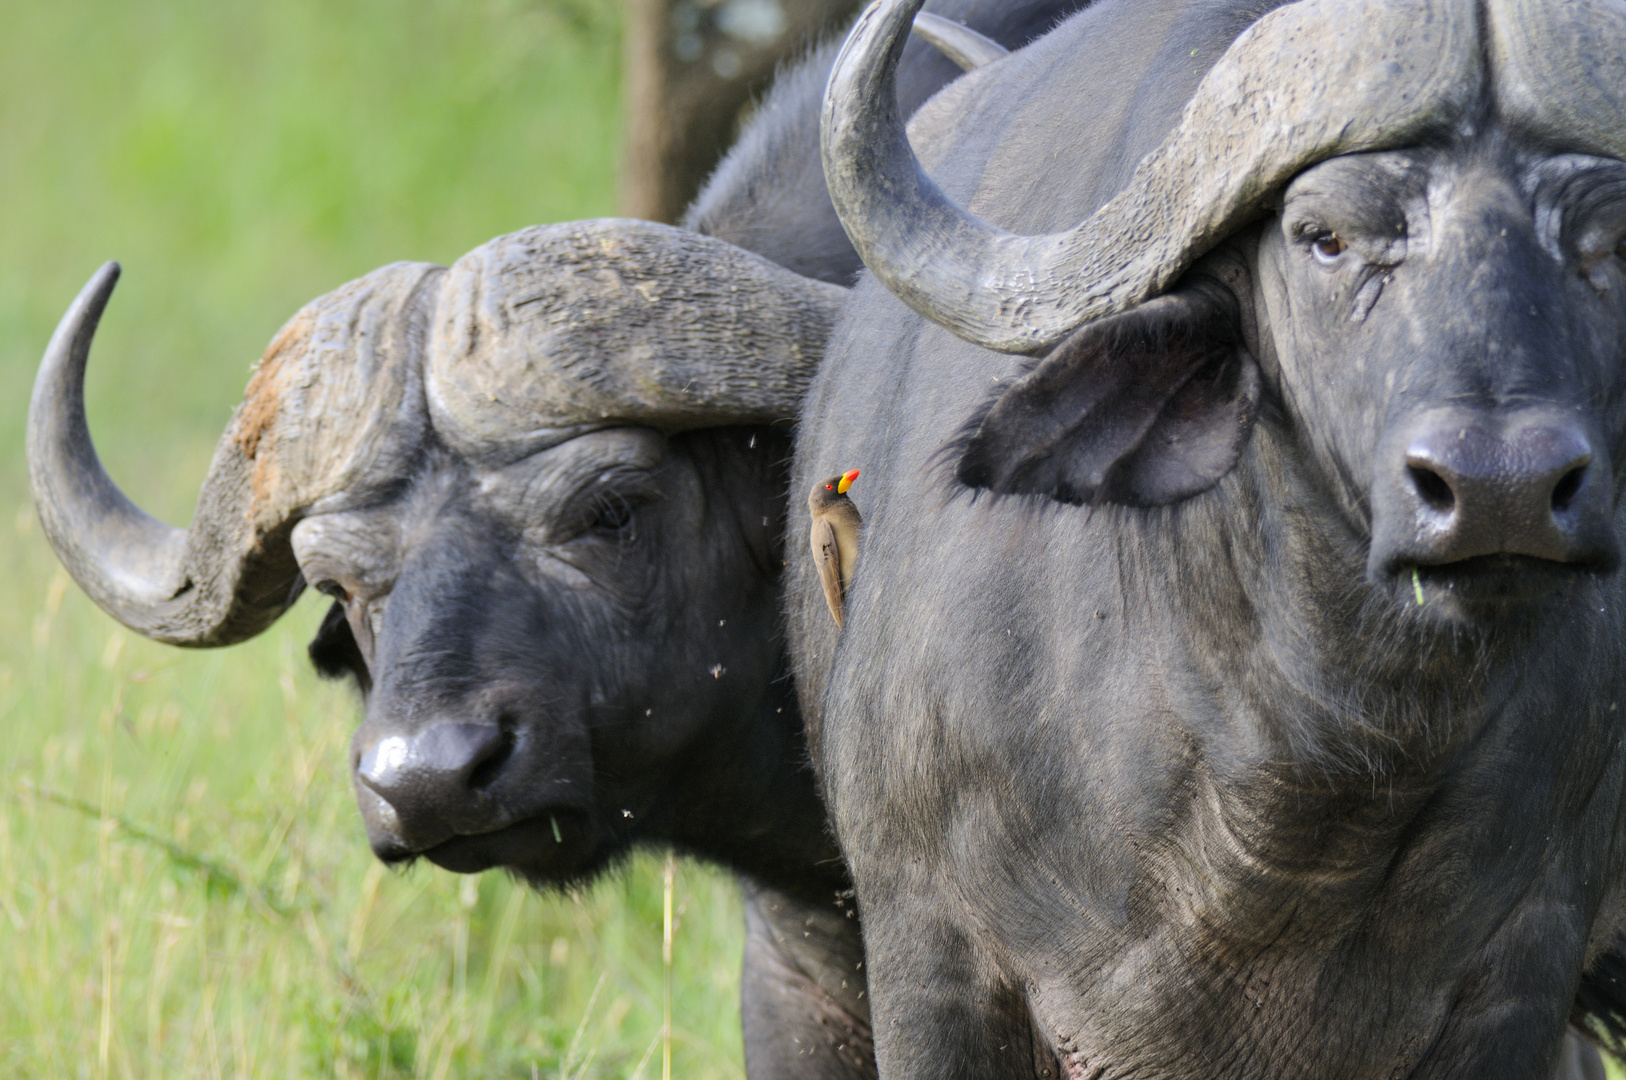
(1308, 81)
(559, 328)
(1560, 71)
(321, 415)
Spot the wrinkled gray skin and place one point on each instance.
(561, 606)
(1153, 752)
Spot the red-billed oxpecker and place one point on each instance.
(835, 537)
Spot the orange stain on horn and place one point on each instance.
(262, 399)
(257, 416)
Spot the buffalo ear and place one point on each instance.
(1144, 408)
(334, 652)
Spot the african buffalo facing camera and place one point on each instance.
(556, 581)
(1236, 692)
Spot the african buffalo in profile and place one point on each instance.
(556, 580)
(545, 491)
(1238, 692)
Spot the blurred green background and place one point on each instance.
(185, 889)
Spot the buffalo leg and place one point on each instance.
(1579, 1059)
(802, 996)
(935, 1010)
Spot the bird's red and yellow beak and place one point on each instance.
(846, 481)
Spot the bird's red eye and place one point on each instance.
(829, 487)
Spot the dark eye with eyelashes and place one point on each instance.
(607, 507)
(611, 513)
(333, 589)
(1328, 246)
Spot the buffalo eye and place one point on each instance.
(333, 589)
(612, 514)
(1328, 246)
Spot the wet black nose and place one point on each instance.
(1470, 485)
(1479, 493)
(432, 778)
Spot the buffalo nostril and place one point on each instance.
(1567, 488)
(493, 756)
(1434, 489)
(459, 751)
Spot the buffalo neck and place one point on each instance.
(744, 796)
(1369, 797)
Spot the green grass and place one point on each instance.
(185, 889)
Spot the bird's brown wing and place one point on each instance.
(827, 557)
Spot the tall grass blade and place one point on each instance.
(668, 880)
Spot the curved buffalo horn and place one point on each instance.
(232, 573)
(557, 328)
(126, 560)
(967, 48)
(1306, 82)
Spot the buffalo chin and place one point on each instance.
(553, 845)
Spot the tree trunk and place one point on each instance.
(691, 67)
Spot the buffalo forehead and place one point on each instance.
(335, 404)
